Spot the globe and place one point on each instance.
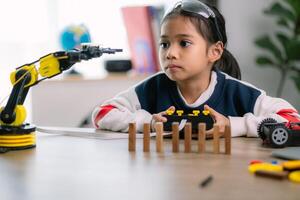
(73, 35)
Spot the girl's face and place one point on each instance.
(183, 53)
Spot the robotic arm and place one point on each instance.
(13, 133)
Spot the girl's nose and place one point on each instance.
(172, 53)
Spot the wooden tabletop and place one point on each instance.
(79, 168)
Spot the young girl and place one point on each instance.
(193, 58)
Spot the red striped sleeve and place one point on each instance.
(103, 111)
(289, 114)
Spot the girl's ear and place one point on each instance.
(215, 51)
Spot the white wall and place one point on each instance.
(30, 29)
(105, 22)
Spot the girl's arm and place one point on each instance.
(116, 114)
(265, 107)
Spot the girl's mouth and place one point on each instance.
(173, 67)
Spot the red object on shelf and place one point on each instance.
(142, 29)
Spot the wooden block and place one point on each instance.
(272, 174)
(132, 137)
(187, 137)
(146, 139)
(175, 137)
(159, 137)
(216, 139)
(227, 140)
(201, 137)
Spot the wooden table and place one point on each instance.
(66, 167)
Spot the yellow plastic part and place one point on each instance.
(205, 112)
(49, 66)
(20, 116)
(17, 140)
(29, 69)
(290, 165)
(264, 166)
(12, 142)
(179, 112)
(170, 112)
(295, 176)
(16, 137)
(19, 145)
(1, 123)
(196, 112)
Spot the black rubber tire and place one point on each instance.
(260, 130)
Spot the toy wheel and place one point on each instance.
(279, 136)
(260, 129)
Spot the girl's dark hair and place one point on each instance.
(227, 63)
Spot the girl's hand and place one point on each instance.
(159, 117)
(219, 119)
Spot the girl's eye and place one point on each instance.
(185, 43)
(164, 45)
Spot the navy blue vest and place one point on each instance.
(230, 97)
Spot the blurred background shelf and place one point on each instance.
(70, 101)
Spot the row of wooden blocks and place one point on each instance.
(175, 138)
